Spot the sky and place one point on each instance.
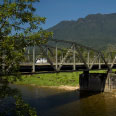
(56, 11)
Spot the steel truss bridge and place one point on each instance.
(60, 53)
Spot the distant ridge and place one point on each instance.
(95, 30)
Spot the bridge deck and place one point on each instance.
(27, 67)
(44, 64)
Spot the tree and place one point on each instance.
(14, 36)
(17, 24)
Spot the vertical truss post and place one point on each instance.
(74, 58)
(33, 67)
(56, 57)
(99, 63)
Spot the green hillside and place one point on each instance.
(96, 30)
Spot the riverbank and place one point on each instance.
(61, 87)
(62, 80)
(51, 79)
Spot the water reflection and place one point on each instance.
(54, 102)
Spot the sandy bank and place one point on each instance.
(69, 88)
(63, 87)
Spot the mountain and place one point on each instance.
(95, 30)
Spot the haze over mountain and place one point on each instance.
(95, 30)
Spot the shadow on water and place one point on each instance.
(48, 101)
(61, 99)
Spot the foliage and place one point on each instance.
(18, 22)
(23, 109)
(11, 103)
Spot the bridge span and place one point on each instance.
(61, 54)
(28, 67)
(67, 55)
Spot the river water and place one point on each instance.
(57, 102)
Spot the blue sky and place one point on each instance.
(59, 10)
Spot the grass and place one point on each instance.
(54, 79)
(51, 79)
(113, 70)
(98, 71)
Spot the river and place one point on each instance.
(57, 102)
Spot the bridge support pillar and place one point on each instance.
(92, 81)
(110, 82)
(99, 82)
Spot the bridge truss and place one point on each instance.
(60, 52)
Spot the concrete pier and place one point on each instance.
(110, 83)
(99, 82)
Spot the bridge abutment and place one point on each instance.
(110, 82)
(98, 82)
